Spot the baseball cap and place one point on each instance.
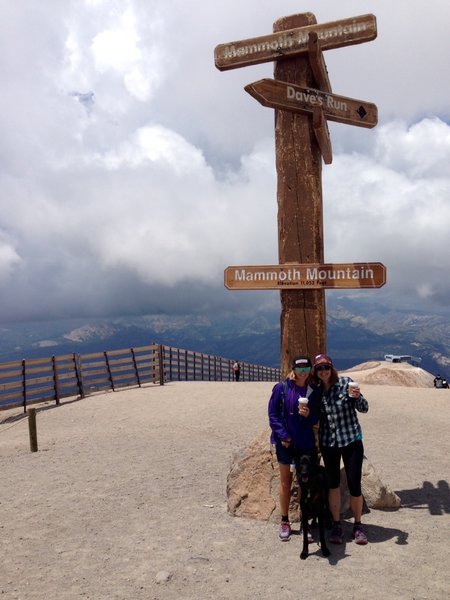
(301, 361)
(323, 359)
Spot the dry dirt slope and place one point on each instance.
(392, 374)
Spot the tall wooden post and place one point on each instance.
(301, 87)
(300, 215)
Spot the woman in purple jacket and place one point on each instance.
(292, 429)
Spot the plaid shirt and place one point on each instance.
(339, 425)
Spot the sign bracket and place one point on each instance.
(322, 134)
(317, 63)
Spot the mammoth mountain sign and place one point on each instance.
(294, 42)
(306, 276)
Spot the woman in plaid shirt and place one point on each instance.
(341, 436)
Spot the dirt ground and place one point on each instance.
(125, 499)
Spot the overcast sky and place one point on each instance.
(133, 171)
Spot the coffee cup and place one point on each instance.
(302, 402)
(352, 385)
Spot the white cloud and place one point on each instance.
(115, 50)
(422, 149)
(9, 259)
(167, 174)
(392, 206)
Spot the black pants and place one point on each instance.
(352, 455)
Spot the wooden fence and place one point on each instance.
(30, 381)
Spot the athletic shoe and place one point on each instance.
(285, 531)
(359, 536)
(336, 536)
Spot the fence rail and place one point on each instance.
(30, 381)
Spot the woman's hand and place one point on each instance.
(303, 410)
(286, 443)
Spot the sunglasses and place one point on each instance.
(323, 368)
(302, 369)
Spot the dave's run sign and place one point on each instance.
(305, 276)
(287, 96)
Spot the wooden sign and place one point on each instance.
(305, 276)
(287, 96)
(294, 42)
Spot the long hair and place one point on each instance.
(316, 381)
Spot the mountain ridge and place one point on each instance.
(356, 332)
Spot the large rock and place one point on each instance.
(253, 485)
(376, 493)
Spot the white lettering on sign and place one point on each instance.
(298, 40)
(318, 274)
(282, 42)
(311, 274)
(288, 275)
(315, 99)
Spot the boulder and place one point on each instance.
(253, 485)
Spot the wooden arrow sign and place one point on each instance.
(293, 42)
(287, 96)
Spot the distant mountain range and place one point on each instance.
(356, 332)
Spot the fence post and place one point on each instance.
(79, 375)
(32, 429)
(135, 366)
(109, 371)
(55, 380)
(161, 364)
(24, 386)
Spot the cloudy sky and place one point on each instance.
(133, 171)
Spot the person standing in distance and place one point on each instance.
(292, 429)
(236, 370)
(341, 437)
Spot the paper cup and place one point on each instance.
(302, 402)
(351, 386)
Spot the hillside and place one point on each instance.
(392, 374)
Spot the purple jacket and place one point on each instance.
(284, 419)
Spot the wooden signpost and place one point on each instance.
(302, 97)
